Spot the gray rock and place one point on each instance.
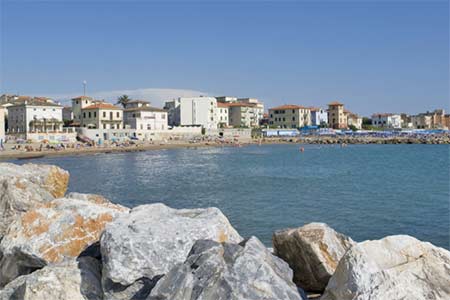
(53, 232)
(77, 280)
(395, 268)
(150, 240)
(313, 252)
(226, 271)
(22, 187)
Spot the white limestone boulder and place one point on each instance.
(53, 232)
(150, 240)
(312, 251)
(395, 268)
(228, 271)
(23, 187)
(76, 280)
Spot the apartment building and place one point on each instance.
(223, 114)
(337, 118)
(353, 120)
(101, 115)
(34, 116)
(319, 116)
(145, 118)
(198, 111)
(387, 120)
(290, 116)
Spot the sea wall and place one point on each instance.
(58, 245)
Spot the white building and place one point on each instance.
(34, 116)
(223, 114)
(145, 118)
(387, 120)
(199, 111)
(101, 115)
(319, 116)
(173, 112)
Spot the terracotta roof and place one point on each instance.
(221, 104)
(34, 102)
(102, 105)
(138, 101)
(382, 114)
(288, 106)
(335, 103)
(145, 108)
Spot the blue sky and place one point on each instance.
(385, 56)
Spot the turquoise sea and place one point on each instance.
(364, 191)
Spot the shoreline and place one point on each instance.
(15, 154)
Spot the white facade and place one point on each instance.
(226, 99)
(387, 120)
(223, 114)
(145, 118)
(34, 117)
(319, 116)
(199, 111)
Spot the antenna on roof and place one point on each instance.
(84, 87)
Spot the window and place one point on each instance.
(118, 114)
(293, 118)
(76, 102)
(293, 111)
(84, 115)
(89, 114)
(95, 114)
(110, 115)
(149, 126)
(104, 126)
(104, 114)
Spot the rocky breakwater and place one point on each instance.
(83, 247)
(425, 139)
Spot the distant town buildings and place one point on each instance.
(143, 117)
(290, 116)
(353, 120)
(101, 115)
(319, 116)
(223, 114)
(34, 116)
(387, 120)
(198, 111)
(336, 115)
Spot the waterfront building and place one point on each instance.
(223, 114)
(406, 120)
(34, 116)
(244, 114)
(319, 116)
(257, 109)
(290, 116)
(446, 121)
(422, 121)
(353, 120)
(226, 99)
(198, 111)
(101, 115)
(387, 120)
(336, 115)
(78, 104)
(145, 118)
(437, 118)
(265, 121)
(173, 112)
(67, 114)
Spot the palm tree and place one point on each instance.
(123, 100)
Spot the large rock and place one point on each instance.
(228, 271)
(153, 238)
(395, 268)
(53, 232)
(77, 280)
(23, 187)
(312, 251)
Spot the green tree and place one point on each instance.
(123, 100)
(353, 127)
